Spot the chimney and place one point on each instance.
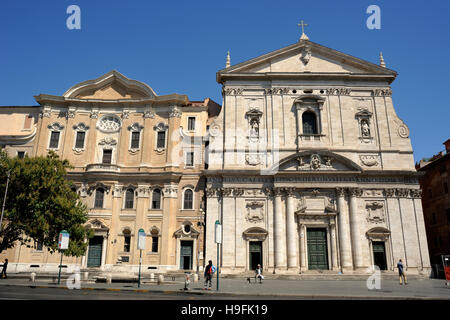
(447, 146)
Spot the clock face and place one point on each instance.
(109, 123)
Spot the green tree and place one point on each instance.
(40, 203)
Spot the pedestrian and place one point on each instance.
(5, 265)
(259, 274)
(209, 271)
(401, 272)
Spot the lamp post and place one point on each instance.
(4, 199)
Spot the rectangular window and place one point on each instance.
(28, 121)
(135, 139)
(38, 245)
(126, 245)
(54, 140)
(189, 159)
(107, 156)
(191, 123)
(79, 143)
(154, 244)
(161, 143)
(20, 154)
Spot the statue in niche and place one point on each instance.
(254, 129)
(365, 130)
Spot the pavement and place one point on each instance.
(273, 288)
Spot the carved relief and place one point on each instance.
(107, 141)
(382, 92)
(94, 114)
(316, 162)
(375, 212)
(402, 129)
(175, 112)
(56, 126)
(389, 193)
(255, 211)
(416, 193)
(109, 123)
(125, 114)
(232, 91)
(369, 160)
(402, 192)
(149, 114)
(339, 91)
(305, 55)
(253, 159)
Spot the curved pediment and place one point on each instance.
(317, 161)
(110, 86)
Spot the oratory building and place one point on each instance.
(311, 168)
(137, 159)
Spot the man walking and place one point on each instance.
(208, 275)
(5, 265)
(401, 272)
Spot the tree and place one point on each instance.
(40, 203)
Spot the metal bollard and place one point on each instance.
(33, 276)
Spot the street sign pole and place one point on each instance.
(218, 240)
(60, 265)
(63, 244)
(140, 262)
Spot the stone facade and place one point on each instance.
(311, 169)
(131, 151)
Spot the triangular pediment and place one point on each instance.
(306, 57)
(110, 86)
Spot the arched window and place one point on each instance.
(188, 199)
(309, 123)
(129, 198)
(99, 196)
(126, 240)
(156, 199)
(155, 239)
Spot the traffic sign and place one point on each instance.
(63, 242)
(141, 239)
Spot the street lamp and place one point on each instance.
(4, 199)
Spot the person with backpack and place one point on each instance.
(209, 271)
(401, 272)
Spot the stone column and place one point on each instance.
(344, 232)
(104, 248)
(290, 227)
(333, 246)
(279, 247)
(302, 247)
(354, 226)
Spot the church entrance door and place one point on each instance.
(255, 250)
(317, 249)
(186, 255)
(95, 252)
(379, 255)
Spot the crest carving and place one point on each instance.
(255, 211)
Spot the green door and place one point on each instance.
(95, 252)
(317, 249)
(379, 255)
(255, 250)
(186, 255)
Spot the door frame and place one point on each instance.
(327, 244)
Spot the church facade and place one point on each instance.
(311, 170)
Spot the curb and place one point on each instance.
(212, 293)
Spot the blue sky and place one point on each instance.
(178, 46)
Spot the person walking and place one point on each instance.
(401, 272)
(259, 274)
(209, 271)
(5, 265)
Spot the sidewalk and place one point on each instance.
(271, 288)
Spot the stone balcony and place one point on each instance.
(102, 167)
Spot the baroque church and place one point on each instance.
(311, 168)
(306, 166)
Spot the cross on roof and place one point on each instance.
(301, 24)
